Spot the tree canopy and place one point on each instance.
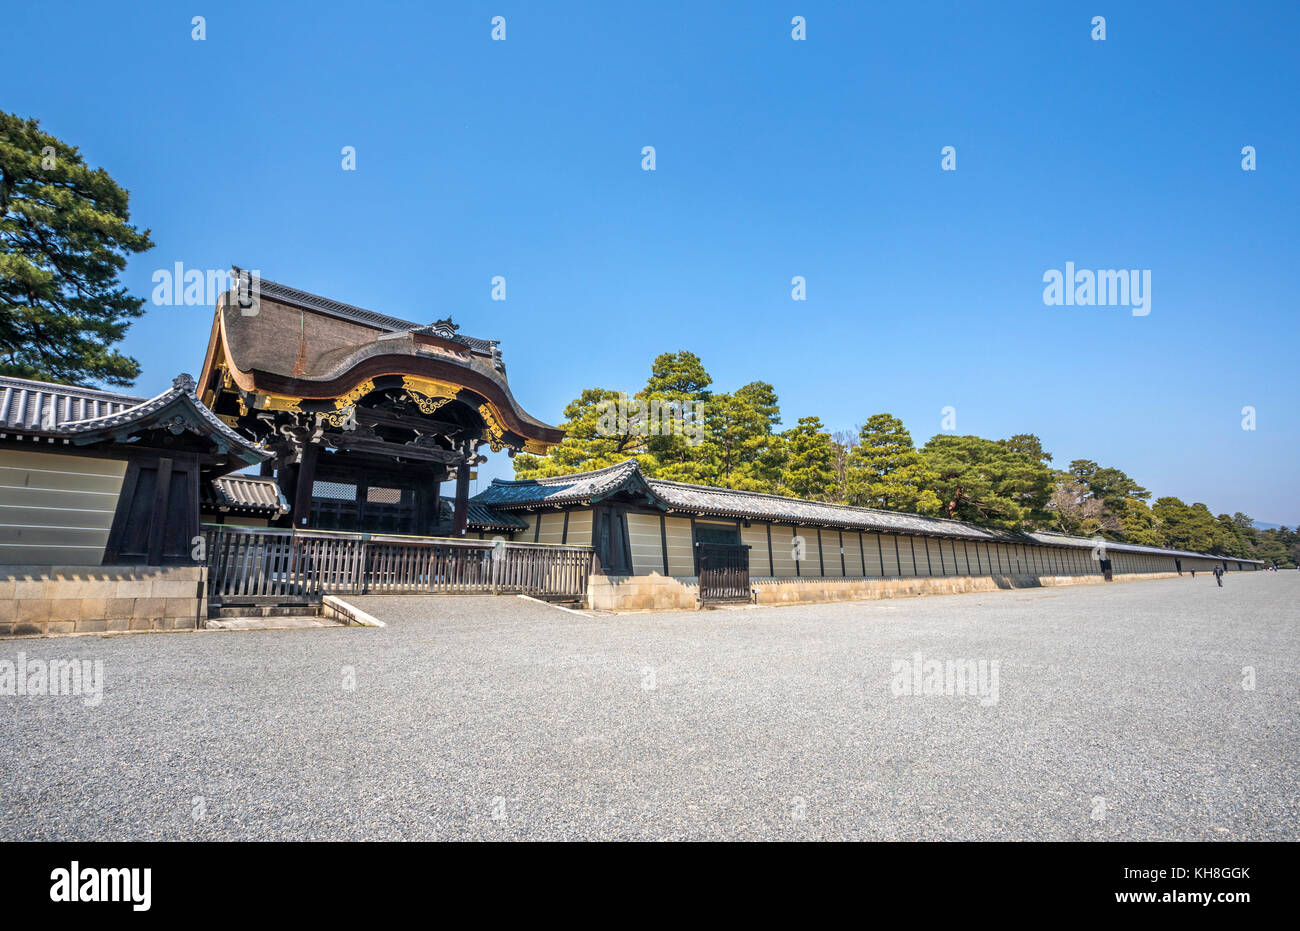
(986, 482)
(810, 461)
(886, 471)
(65, 235)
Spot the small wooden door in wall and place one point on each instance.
(157, 516)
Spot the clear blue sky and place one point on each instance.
(775, 158)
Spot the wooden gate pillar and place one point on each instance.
(303, 484)
(460, 516)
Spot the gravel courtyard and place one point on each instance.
(1121, 713)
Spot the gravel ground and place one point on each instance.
(755, 723)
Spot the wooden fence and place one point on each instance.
(253, 565)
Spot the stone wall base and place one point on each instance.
(652, 592)
(45, 600)
(656, 592)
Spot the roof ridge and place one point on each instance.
(635, 467)
(149, 406)
(830, 504)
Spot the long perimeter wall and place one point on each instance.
(792, 563)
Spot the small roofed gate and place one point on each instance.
(723, 573)
(272, 566)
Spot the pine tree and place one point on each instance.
(1183, 526)
(677, 383)
(592, 440)
(743, 448)
(886, 471)
(1138, 524)
(810, 461)
(1028, 444)
(64, 238)
(983, 482)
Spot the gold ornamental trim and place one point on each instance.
(279, 402)
(495, 429)
(340, 417)
(358, 392)
(429, 394)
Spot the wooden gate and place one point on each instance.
(724, 573)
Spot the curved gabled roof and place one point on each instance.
(707, 501)
(295, 344)
(579, 488)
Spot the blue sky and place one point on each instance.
(775, 158)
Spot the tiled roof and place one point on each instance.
(246, 494)
(578, 488)
(42, 406)
(40, 409)
(1061, 539)
(324, 305)
(722, 502)
(706, 501)
(480, 516)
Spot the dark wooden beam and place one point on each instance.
(391, 450)
(376, 417)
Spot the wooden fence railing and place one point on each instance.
(253, 565)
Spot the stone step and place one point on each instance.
(294, 610)
(270, 623)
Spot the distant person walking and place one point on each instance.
(1218, 575)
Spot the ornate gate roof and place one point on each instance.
(280, 348)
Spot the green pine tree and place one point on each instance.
(886, 471)
(984, 482)
(678, 381)
(592, 440)
(743, 448)
(64, 238)
(1183, 526)
(810, 461)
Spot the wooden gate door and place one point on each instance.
(724, 573)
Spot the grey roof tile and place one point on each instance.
(41, 406)
(565, 489)
(32, 403)
(480, 516)
(246, 494)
